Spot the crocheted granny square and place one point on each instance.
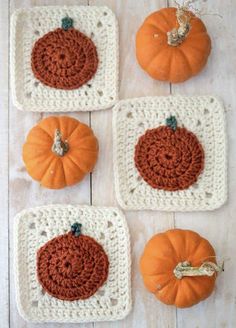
(202, 122)
(108, 227)
(100, 90)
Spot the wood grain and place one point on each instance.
(133, 83)
(24, 192)
(218, 78)
(98, 189)
(4, 97)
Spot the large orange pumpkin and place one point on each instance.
(60, 151)
(172, 45)
(179, 267)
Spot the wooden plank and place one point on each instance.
(4, 96)
(24, 192)
(133, 83)
(218, 78)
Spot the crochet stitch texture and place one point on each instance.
(204, 117)
(35, 227)
(98, 24)
(169, 159)
(64, 59)
(72, 267)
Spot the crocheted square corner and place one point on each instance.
(34, 227)
(204, 116)
(99, 24)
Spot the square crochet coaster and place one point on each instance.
(97, 23)
(204, 116)
(34, 227)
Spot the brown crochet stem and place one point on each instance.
(178, 35)
(184, 269)
(59, 147)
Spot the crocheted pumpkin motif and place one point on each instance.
(169, 157)
(72, 266)
(64, 58)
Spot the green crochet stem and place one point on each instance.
(66, 23)
(171, 122)
(76, 229)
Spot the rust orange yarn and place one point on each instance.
(64, 59)
(71, 267)
(169, 157)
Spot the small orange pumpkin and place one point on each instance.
(60, 151)
(179, 267)
(172, 45)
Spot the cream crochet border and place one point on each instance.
(204, 116)
(28, 25)
(35, 226)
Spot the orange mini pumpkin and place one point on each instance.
(179, 267)
(60, 151)
(172, 45)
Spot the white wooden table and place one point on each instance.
(18, 191)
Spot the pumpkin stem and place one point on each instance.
(184, 269)
(178, 35)
(171, 122)
(76, 229)
(59, 147)
(66, 23)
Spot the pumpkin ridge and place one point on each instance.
(86, 149)
(195, 20)
(155, 57)
(163, 285)
(43, 151)
(42, 128)
(166, 288)
(60, 120)
(83, 138)
(89, 132)
(172, 68)
(63, 165)
(158, 273)
(186, 59)
(197, 249)
(172, 245)
(45, 170)
(194, 292)
(169, 237)
(71, 159)
(159, 30)
(162, 14)
(197, 34)
(194, 47)
(41, 156)
(49, 168)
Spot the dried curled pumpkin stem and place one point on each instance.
(178, 35)
(59, 147)
(184, 269)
